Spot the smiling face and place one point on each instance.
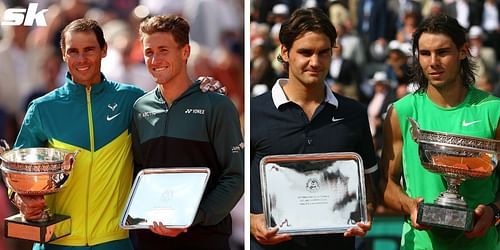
(309, 58)
(440, 59)
(83, 55)
(164, 58)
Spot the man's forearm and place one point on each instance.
(395, 198)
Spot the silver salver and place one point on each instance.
(313, 193)
(167, 195)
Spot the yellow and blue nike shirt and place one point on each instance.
(96, 121)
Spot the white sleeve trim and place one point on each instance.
(372, 169)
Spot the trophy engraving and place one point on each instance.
(168, 195)
(37, 172)
(313, 193)
(457, 158)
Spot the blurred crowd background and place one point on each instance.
(31, 63)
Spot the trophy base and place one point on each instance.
(42, 232)
(445, 217)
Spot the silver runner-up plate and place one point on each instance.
(167, 195)
(313, 193)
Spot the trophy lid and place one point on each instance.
(454, 140)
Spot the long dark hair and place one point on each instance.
(303, 21)
(449, 26)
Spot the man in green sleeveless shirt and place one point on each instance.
(445, 101)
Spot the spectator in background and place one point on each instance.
(261, 71)
(278, 68)
(489, 21)
(338, 12)
(405, 32)
(343, 74)
(278, 15)
(485, 84)
(352, 45)
(396, 64)
(20, 69)
(119, 63)
(372, 25)
(398, 10)
(484, 56)
(383, 96)
(61, 13)
(50, 68)
(464, 11)
(435, 8)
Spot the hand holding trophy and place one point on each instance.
(457, 158)
(32, 173)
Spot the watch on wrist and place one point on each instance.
(496, 213)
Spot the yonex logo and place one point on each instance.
(195, 111)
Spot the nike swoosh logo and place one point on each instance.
(109, 118)
(337, 120)
(466, 124)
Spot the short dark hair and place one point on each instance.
(176, 25)
(302, 21)
(449, 26)
(84, 25)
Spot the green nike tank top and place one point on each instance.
(478, 116)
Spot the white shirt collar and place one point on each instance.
(279, 97)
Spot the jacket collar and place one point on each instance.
(193, 88)
(95, 88)
(279, 97)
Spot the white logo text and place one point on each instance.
(16, 16)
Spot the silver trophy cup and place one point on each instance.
(37, 172)
(457, 158)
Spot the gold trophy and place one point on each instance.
(457, 158)
(37, 172)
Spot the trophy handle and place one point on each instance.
(69, 160)
(4, 146)
(414, 129)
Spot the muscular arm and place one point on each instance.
(394, 196)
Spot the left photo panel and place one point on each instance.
(121, 124)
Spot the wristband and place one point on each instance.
(496, 212)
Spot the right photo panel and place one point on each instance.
(374, 124)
